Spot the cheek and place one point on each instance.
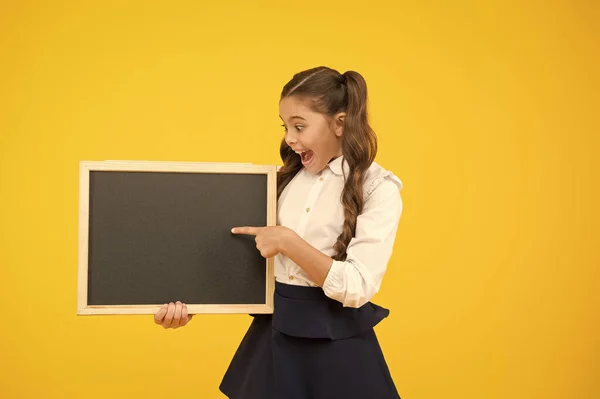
(307, 139)
(325, 140)
(319, 138)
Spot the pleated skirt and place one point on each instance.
(311, 347)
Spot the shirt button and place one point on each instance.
(291, 277)
(321, 178)
(307, 209)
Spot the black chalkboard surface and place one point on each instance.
(157, 232)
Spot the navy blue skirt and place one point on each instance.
(311, 347)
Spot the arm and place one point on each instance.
(314, 262)
(356, 280)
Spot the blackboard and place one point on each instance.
(157, 232)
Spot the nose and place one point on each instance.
(290, 138)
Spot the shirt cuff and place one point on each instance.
(333, 286)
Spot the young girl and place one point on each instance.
(338, 213)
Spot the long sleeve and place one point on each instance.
(356, 280)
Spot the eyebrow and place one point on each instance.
(294, 117)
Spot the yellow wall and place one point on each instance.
(488, 114)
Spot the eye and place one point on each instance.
(284, 128)
(299, 127)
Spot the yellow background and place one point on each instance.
(488, 113)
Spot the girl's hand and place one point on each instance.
(173, 315)
(270, 240)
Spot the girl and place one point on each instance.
(338, 213)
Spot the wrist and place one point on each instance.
(287, 241)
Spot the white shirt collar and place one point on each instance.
(336, 165)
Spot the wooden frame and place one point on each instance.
(163, 166)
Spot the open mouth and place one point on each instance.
(306, 156)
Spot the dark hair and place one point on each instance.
(331, 92)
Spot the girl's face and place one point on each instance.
(316, 138)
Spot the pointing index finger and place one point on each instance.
(246, 230)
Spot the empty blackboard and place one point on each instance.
(157, 232)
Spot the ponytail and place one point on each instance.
(359, 147)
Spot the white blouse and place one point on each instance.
(311, 206)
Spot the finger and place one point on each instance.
(184, 315)
(266, 254)
(177, 316)
(267, 251)
(246, 230)
(168, 320)
(158, 316)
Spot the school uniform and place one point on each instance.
(319, 343)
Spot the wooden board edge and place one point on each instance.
(270, 286)
(271, 221)
(83, 248)
(192, 309)
(164, 166)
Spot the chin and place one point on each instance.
(315, 169)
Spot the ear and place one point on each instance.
(339, 123)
